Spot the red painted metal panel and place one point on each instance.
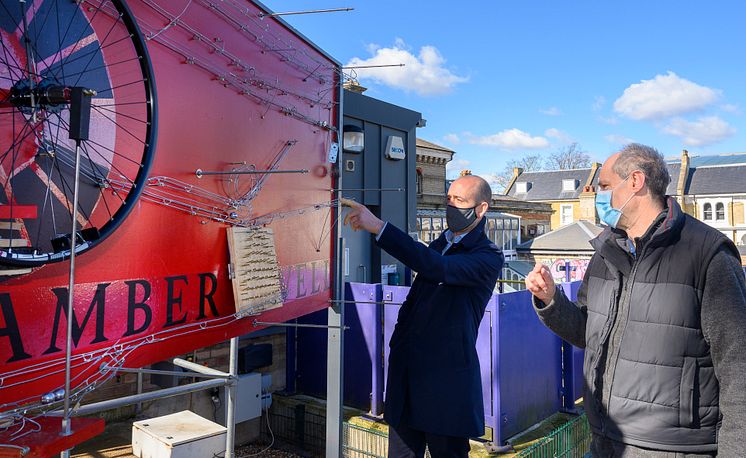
(159, 286)
(48, 439)
(18, 211)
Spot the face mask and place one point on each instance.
(459, 219)
(606, 212)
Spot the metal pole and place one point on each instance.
(335, 370)
(335, 336)
(66, 430)
(149, 396)
(138, 407)
(80, 118)
(198, 368)
(290, 13)
(230, 421)
(297, 325)
(200, 173)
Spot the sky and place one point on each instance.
(498, 79)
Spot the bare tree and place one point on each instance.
(529, 163)
(571, 156)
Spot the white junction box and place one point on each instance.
(248, 399)
(180, 435)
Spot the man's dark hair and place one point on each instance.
(648, 160)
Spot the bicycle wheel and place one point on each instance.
(46, 48)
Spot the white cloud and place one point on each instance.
(453, 139)
(511, 139)
(730, 108)
(619, 140)
(562, 137)
(599, 102)
(611, 120)
(705, 130)
(424, 74)
(455, 166)
(664, 96)
(551, 111)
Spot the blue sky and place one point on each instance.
(500, 79)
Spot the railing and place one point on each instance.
(571, 440)
(360, 442)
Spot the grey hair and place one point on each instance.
(648, 160)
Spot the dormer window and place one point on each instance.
(570, 185)
(522, 187)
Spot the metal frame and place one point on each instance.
(216, 379)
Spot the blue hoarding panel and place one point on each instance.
(529, 366)
(521, 360)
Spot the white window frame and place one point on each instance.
(716, 213)
(705, 211)
(563, 221)
(569, 184)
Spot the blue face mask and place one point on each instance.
(606, 213)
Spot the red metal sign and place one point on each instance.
(235, 93)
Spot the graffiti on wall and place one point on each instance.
(559, 269)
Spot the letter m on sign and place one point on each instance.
(97, 304)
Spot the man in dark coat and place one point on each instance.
(434, 388)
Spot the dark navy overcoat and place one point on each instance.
(433, 381)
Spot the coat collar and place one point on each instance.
(607, 243)
(470, 240)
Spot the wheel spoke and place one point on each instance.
(54, 45)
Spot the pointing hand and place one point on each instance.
(541, 284)
(359, 217)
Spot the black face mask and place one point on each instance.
(459, 219)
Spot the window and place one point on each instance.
(569, 185)
(707, 212)
(522, 187)
(419, 181)
(565, 214)
(720, 211)
(437, 224)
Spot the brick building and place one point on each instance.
(506, 216)
(570, 193)
(431, 174)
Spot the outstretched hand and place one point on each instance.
(541, 284)
(359, 217)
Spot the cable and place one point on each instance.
(173, 21)
(271, 434)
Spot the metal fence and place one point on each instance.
(303, 426)
(571, 440)
(298, 424)
(361, 442)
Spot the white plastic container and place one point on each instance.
(179, 435)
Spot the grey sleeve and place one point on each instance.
(723, 317)
(564, 317)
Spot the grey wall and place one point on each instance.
(373, 171)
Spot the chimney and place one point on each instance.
(353, 86)
(464, 173)
(588, 204)
(517, 171)
(681, 185)
(588, 196)
(592, 174)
